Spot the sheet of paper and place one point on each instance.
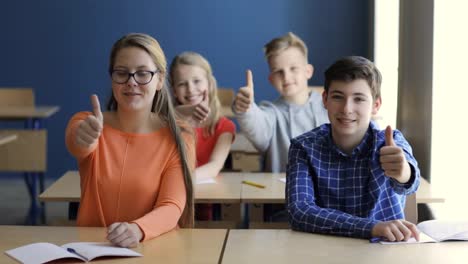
(206, 181)
(445, 229)
(423, 238)
(39, 253)
(93, 250)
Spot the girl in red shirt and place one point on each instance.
(195, 92)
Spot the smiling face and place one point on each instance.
(132, 96)
(350, 107)
(289, 73)
(190, 84)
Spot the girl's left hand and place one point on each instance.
(202, 110)
(124, 234)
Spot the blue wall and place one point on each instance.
(60, 48)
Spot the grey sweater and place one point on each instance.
(271, 125)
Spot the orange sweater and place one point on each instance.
(129, 177)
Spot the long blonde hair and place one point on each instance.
(162, 106)
(195, 59)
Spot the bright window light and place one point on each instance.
(449, 112)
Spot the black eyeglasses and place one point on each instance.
(141, 77)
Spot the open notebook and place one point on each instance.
(438, 231)
(85, 251)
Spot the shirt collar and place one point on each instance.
(360, 150)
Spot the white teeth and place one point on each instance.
(346, 120)
(192, 98)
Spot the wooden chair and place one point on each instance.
(318, 89)
(16, 97)
(226, 96)
(411, 209)
(28, 152)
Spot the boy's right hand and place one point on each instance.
(395, 230)
(90, 129)
(245, 96)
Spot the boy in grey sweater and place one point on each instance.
(271, 125)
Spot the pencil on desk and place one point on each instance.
(253, 184)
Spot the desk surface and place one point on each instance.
(226, 190)
(428, 194)
(6, 138)
(65, 189)
(274, 191)
(27, 112)
(180, 246)
(286, 246)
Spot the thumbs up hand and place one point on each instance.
(195, 114)
(245, 96)
(393, 160)
(90, 129)
(202, 110)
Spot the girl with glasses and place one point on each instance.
(135, 160)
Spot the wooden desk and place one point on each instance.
(286, 246)
(33, 162)
(226, 190)
(179, 246)
(428, 194)
(13, 112)
(274, 192)
(245, 157)
(6, 138)
(65, 189)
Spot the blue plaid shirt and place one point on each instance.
(328, 191)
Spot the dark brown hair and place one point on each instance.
(353, 68)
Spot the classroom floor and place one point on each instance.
(14, 203)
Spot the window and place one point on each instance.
(449, 112)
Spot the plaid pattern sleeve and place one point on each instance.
(304, 213)
(413, 184)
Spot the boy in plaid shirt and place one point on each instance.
(349, 178)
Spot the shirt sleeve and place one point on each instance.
(412, 185)
(304, 214)
(172, 196)
(226, 126)
(257, 124)
(79, 152)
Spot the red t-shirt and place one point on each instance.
(205, 145)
